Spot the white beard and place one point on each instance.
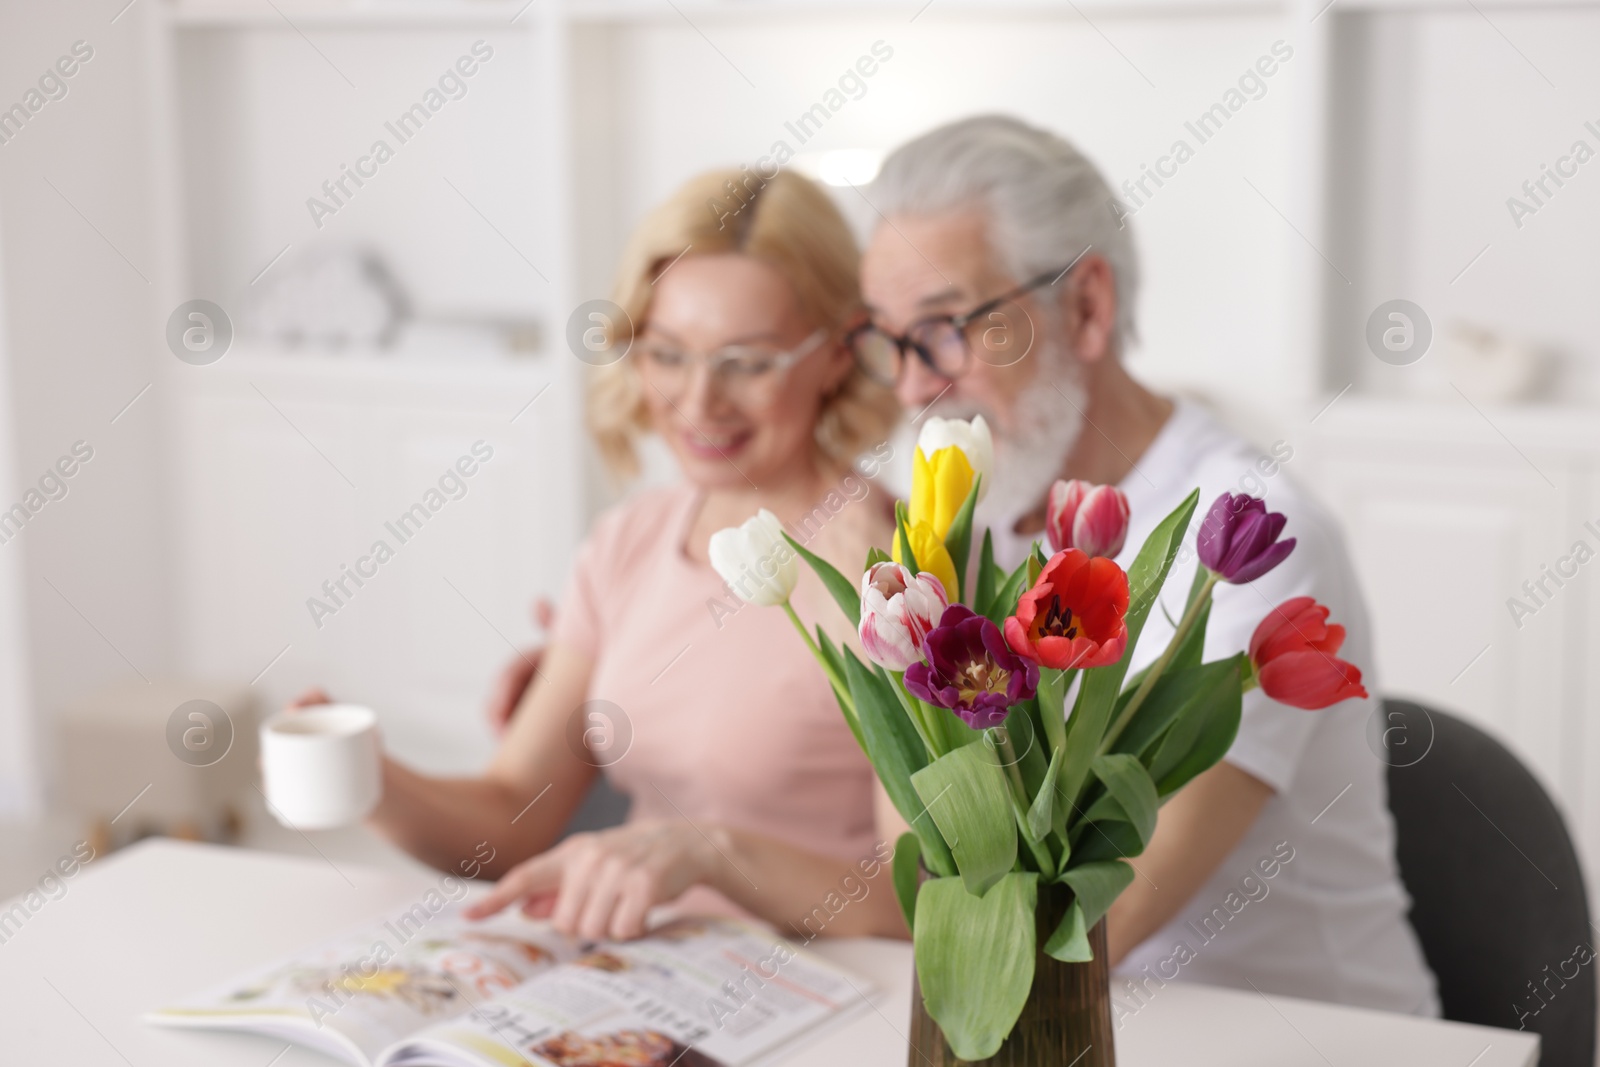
(1031, 446)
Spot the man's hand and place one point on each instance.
(603, 885)
(516, 676)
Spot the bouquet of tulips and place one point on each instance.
(1000, 714)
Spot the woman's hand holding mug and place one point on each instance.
(320, 763)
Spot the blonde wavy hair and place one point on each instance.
(786, 222)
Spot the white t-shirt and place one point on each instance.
(1329, 920)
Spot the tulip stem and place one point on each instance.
(917, 712)
(1019, 799)
(1196, 605)
(839, 686)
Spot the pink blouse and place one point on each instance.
(732, 721)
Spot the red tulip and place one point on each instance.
(1073, 615)
(1091, 518)
(1293, 655)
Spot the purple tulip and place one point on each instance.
(1239, 538)
(970, 670)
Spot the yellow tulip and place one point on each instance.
(932, 557)
(939, 486)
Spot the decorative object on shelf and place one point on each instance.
(344, 298)
(1493, 368)
(175, 757)
(1003, 724)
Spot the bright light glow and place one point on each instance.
(840, 167)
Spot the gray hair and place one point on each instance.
(1045, 200)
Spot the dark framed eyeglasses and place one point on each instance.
(998, 331)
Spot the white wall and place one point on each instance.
(265, 120)
(74, 206)
(19, 779)
(1216, 292)
(1441, 118)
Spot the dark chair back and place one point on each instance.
(602, 807)
(1497, 895)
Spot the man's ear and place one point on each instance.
(1089, 310)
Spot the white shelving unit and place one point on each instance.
(290, 465)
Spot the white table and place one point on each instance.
(160, 920)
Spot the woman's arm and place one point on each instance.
(604, 884)
(519, 804)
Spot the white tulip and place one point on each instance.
(755, 560)
(973, 438)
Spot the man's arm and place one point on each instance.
(1195, 832)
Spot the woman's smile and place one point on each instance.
(715, 444)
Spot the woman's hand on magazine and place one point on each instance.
(603, 885)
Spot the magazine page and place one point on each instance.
(695, 993)
(361, 993)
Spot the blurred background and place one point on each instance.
(191, 474)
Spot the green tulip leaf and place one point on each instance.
(1041, 813)
(1106, 809)
(1202, 734)
(1172, 697)
(958, 539)
(1096, 886)
(907, 854)
(966, 794)
(830, 654)
(902, 535)
(891, 743)
(1027, 741)
(1070, 941)
(985, 586)
(875, 556)
(1005, 598)
(1101, 839)
(1191, 651)
(1126, 779)
(975, 957)
(1053, 686)
(842, 588)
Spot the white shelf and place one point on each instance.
(245, 14)
(658, 11)
(500, 14)
(1351, 6)
(374, 370)
(1542, 424)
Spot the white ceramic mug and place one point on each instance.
(320, 765)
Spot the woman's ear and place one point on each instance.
(841, 361)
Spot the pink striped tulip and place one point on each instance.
(1090, 518)
(898, 609)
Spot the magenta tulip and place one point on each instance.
(970, 670)
(1239, 538)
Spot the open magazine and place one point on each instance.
(512, 992)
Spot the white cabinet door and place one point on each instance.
(1442, 537)
(339, 521)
